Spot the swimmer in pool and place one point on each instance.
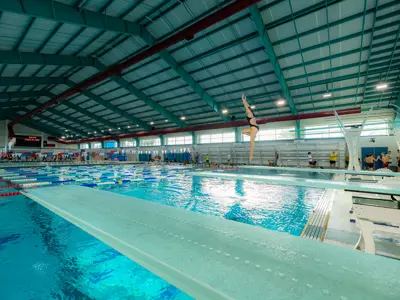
(253, 130)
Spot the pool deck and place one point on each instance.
(213, 258)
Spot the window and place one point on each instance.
(96, 145)
(128, 143)
(179, 140)
(110, 144)
(226, 137)
(322, 132)
(273, 135)
(150, 142)
(328, 132)
(84, 146)
(375, 129)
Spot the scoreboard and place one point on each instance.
(28, 141)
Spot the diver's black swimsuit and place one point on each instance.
(249, 119)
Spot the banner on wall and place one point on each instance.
(28, 141)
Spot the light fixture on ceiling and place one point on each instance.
(119, 128)
(109, 129)
(95, 132)
(137, 125)
(280, 102)
(166, 121)
(87, 133)
(183, 118)
(151, 123)
(327, 95)
(129, 126)
(102, 130)
(382, 86)
(66, 130)
(63, 137)
(253, 107)
(224, 111)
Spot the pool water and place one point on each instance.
(42, 256)
(285, 209)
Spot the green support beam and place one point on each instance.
(91, 115)
(107, 104)
(260, 26)
(32, 58)
(21, 103)
(142, 96)
(48, 119)
(9, 81)
(60, 12)
(14, 95)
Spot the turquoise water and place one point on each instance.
(42, 256)
(285, 209)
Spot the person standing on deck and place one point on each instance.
(332, 159)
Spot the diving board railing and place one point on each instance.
(329, 171)
(212, 258)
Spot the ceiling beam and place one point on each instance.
(190, 81)
(32, 58)
(142, 96)
(266, 41)
(23, 103)
(14, 95)
(60, 12)
(62, 125)
(107, 104)
(9, 81)
(34, 94)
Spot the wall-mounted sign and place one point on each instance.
(28, 141)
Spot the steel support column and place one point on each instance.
(258, 21)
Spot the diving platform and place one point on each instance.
(210, 257)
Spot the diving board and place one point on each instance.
(329, 171)
(212, 258)
(377, 188)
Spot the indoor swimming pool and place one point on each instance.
(42, 256)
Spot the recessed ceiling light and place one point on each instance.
(63, 137)
(137, 125)
(151, 123)
(66, 130)
(109, 129)
(280, 102)
(102, 130)
(87, 133)
(95, 132)
(183, 118)
(327, 95)
(225, 111)
(119, 128)
(253, 107)
(129, 126)
(166, 120)
(381, 86)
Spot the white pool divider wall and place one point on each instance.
(210, 257)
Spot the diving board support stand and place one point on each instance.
(352, 138)
(372, 218)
